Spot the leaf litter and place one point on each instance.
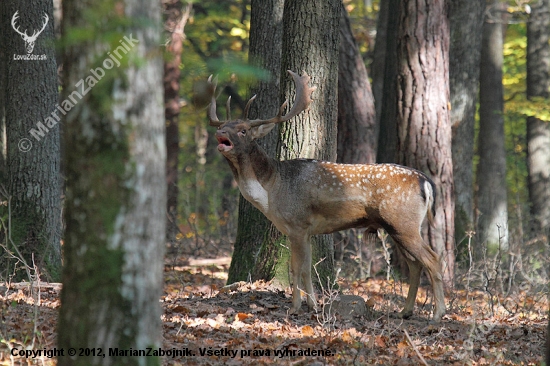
(249, 324)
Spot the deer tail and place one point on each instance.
(429, 194)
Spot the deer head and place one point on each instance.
(29, 40)
(234, 136)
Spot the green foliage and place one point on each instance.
(515, 76)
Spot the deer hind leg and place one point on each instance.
(300, 264)
(429, 260)
(425, 257)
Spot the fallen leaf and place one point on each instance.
(181, 309)
(346, 337)
(307, 331)
(243, 316)
(380, 342)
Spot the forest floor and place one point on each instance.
(249, 324)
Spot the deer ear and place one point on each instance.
(261, 131)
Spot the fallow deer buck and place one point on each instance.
(304, 197)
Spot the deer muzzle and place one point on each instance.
(224, 144)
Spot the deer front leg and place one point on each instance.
(300, 264)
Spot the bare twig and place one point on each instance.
(414, 348)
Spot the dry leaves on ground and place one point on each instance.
(248, 323)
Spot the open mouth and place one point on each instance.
(224, 144)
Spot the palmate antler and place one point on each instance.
(303, 99)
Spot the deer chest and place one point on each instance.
(253, 192)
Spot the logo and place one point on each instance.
(29, 40)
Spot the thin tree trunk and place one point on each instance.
(387, 139)
(491, 195)
(379, 57)
(538, 132)
(29, 100)
(116, 183)
(257, 249)
(175, 19)
(310, 44)
(423, 118)
(465, 51)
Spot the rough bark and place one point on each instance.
(423, 118)
(465, 51)
(174, 19)
(116, 185)
(257, 249)
(32, 161)
(538, 132)
(310, 44)
(491, 195)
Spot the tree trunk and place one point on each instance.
(257, 246)
(387, 139)
(310, 44)
(116, 184)
(491, 195)
(538, 132)
(465, 50)
(423, 118)
(174, 22)
(3, 86)
(30, 97)
(379, 57)
(357, 129)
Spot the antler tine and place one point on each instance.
(214, 121)
(303, 99)
(16, 28)
(247, 108)
(228, 108)
(37, 33)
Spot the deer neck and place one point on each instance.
(255, 173)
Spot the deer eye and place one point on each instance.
(243, 132)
